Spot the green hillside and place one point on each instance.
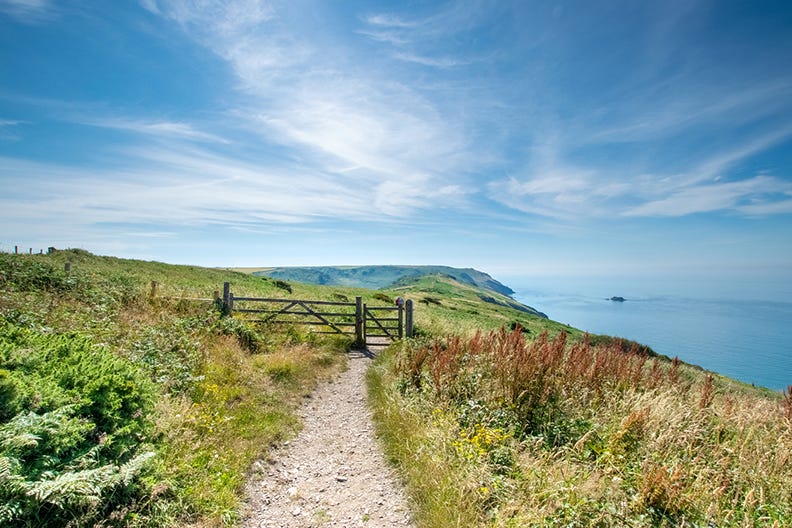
(127, 405)
(376, 277)
(130, 392)
(122, 409)
(447, 306)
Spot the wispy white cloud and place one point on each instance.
(7, 129)
(391, 20)
(224, 19)
(717, 165)
(166, 129)
(678, 138)
(415, 121)
(438, 62)
(783, 206)
(649, 117)
(710, 186)
(743, 195)
(417, 40)
(343, 120)
(149, 234)
(176, 189)
(29, 11)
(554, 187)
(390, 37)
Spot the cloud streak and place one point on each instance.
(28, 11)
(156, 129)
(332, 112)
(759, 193)
(185, 188)
(663, 140)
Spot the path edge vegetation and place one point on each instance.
(166, 436)
(502, 430)
(119, 409)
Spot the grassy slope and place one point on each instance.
(445, 306)
(376, 277)
(219, 405)
(512, 430)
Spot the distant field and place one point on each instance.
(250, 270)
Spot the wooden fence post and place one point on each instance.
(401, 319)
(226, 298)
(409, 319)
(360, 339)
(365, 324)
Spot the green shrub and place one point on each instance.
(383, 297)
(283, 285)
(73, 418)
(33, 273)
(431, 300)
(248, 337)
(169, 354)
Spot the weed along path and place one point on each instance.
(333, 473)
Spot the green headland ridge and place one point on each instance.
(405, 278)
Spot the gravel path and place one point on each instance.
(333, 473)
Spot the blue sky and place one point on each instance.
(526, 139)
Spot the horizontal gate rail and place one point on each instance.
(375, 325)
(266, 299)
(308, 323)
(331, 314)
(328, 314)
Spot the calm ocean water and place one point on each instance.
(743, 339)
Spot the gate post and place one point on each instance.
(409, 318)
(153, 294)
(226, 298)
(365, 325)
(360, 338)
(401, 320)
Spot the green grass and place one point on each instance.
(495, 430)
(516, 430)
(220, 391)
(461, 309)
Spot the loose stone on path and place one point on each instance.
(333, 473)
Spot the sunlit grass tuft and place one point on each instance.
(494, 430)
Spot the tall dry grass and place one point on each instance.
(546, 433)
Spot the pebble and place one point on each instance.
(337, 442)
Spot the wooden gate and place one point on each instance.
(382, 321)
(327, 317)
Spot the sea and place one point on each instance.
(743, 338)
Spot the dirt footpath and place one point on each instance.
(333, 473)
